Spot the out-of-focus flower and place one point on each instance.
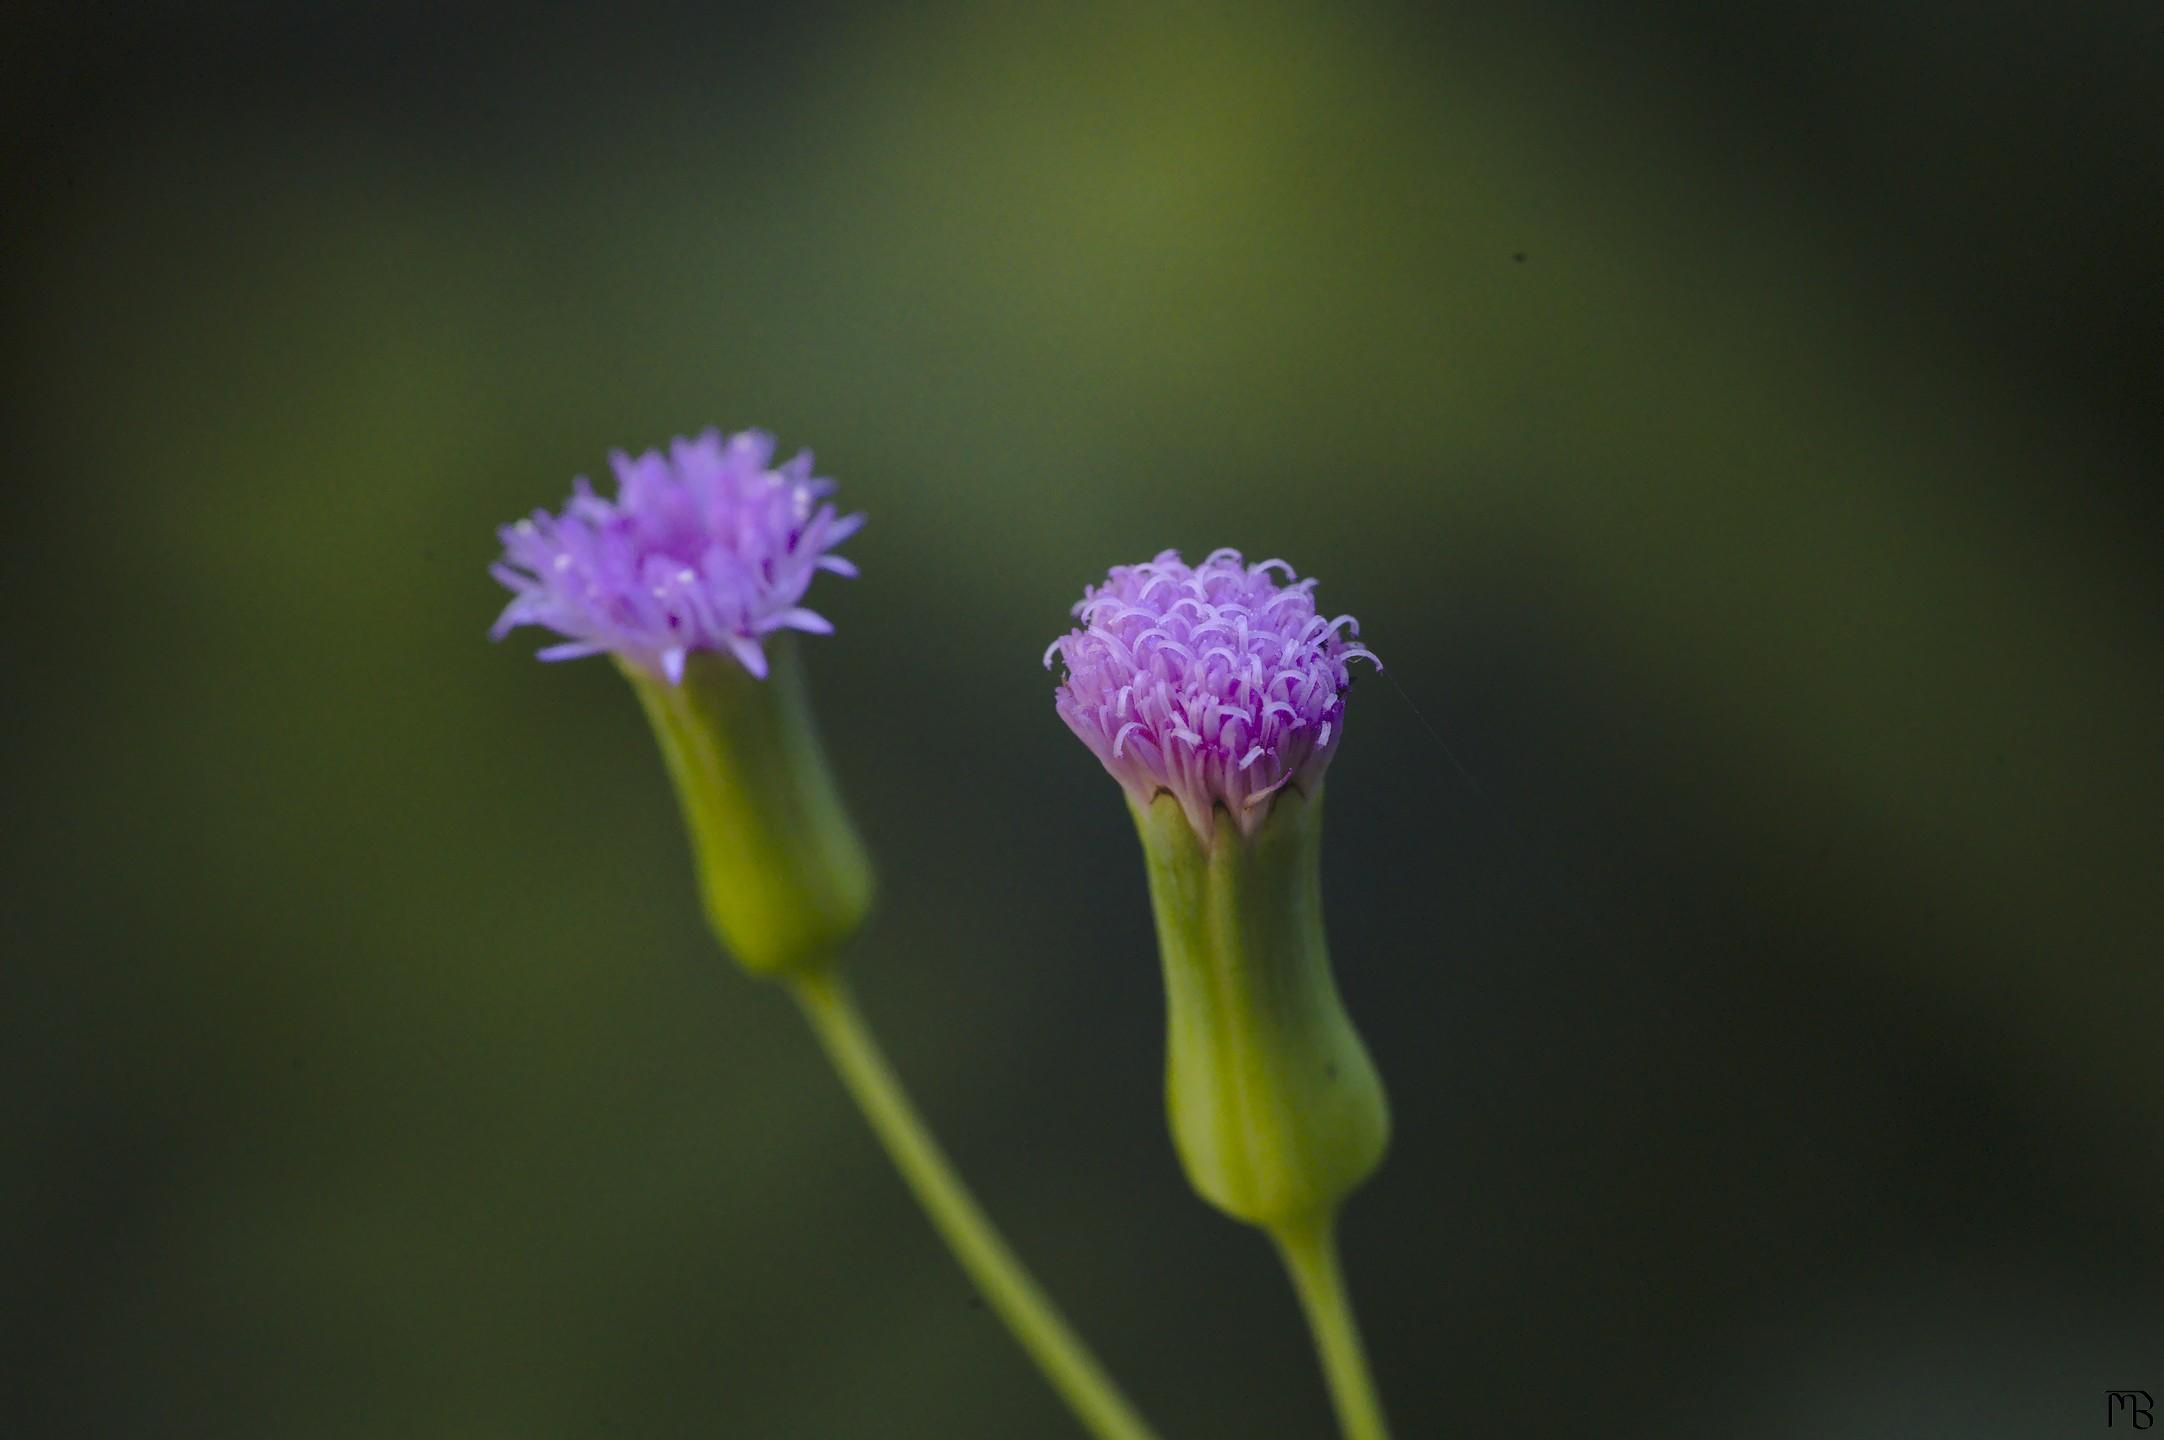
(709, 547)
(690, 579)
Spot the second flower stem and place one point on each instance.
(1310, 1250)
(1006, 1285)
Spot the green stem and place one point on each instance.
(1006, 1285)
(1310, 1250)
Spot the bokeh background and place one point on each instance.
(1736, 428)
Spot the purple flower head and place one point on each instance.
(1213, 682)
(709, 547)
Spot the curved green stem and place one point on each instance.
(1310, 1250)
(1006, 1285)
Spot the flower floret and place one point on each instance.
(709, 547)
(1213, 682)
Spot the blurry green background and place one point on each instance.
(1735, 429)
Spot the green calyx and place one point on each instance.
(1276, 1108)
(784, 876)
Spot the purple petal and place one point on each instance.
(574, 650)
(809, 621)
(749, 655)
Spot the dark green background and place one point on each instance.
(1735, 428)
